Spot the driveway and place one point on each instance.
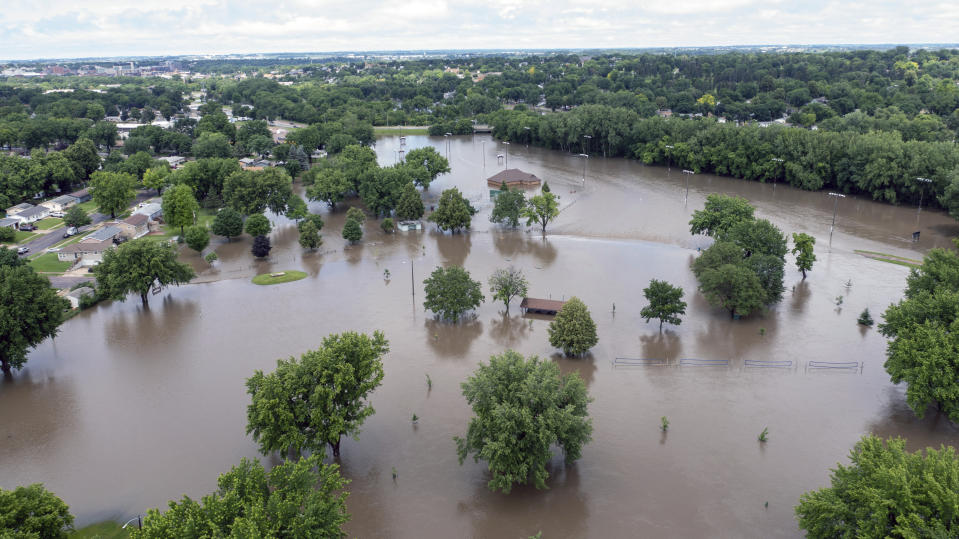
(44, 241)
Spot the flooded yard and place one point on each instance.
(130, 407)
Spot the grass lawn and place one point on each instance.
(101, 530)
(205, 217)
(73, 239)
(89, 206)
(892, 259)
(381, 130)
(21, 236)
(47, 224)
(267, 278)
(48, 263)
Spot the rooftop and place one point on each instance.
(513, 177)
(136, 219)
(104, 234)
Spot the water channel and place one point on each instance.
(130, 407)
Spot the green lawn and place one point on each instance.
(288, 276)
(101, 530)
(89, 206)
(892, 259)
(205, 217)
(20, 236)
(47, 224)
(381, 130)
(48, 263)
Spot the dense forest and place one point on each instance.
(866, 121)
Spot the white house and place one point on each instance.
(34, 214)
(87, 253)
(74, 296)
(174, 160)
(61, 203)
(153, 210)
(9, 222)
(13, 210)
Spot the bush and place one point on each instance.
(352, 231)
(865, 318)
(7, 234)
(387, 225)
(210, 258)
(573, 330)
(197, 238)
(261, 246)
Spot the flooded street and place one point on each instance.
(130, 407)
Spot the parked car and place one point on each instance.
(71, 231)
(117, 240)
(23, 250)
(27, 227)
(58, 214)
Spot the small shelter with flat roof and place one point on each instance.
(541, 306)
(514, 178)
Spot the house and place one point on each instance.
(664, 113)
(9, 222)
(106, 233)
(14, 210)
(174, 160)
(514, 178)
(74, 296)
(135, 226)
(83, 195)
(34, 214)
(61, 203)
(152, 210)
(87, 253)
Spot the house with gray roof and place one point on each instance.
(14, 210)
(61, 203)
(106, 233)
(9, 222)
(153, 211)
(74, 296)
(87, 253)
(34, 214)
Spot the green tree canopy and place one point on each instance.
(720, 214)
(886, 492)
(573, 329)
(542, 209)
(352, 230)
(156, 178)
(10, 258)
(804, 252)
(453, 212)
(450, 292)
(305, 498)
(665, 303)
(179, 206)
(310, 236)
(139, 266)
(508, 206)
(258, 225)
(228, 222)
(197, 238)
(311, 402)
(255, 191)
(33, 511)
(329, 185)
(212, 145)
(733, 287)
(521, 408)
(76, 217)
(435, 163)
(758, 237)
(410, 204)
(113, 192)
(30, 311)
(506, 284)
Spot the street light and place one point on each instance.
(776, 160)
(835, 208)
(585, 160)
(484, 155)
(507, 154)
(586, 139)
(922, 191)
(687, 173)
(526, 128)
(668, 160)
(136, 518)
(447, 138)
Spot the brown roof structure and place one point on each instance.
(136, 219)
(541, 306)
(513, 177)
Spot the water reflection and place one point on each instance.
(660, 345)
(585, 366)
(508, 330)
(451, 340)
(454, 248)
(800, 296)
(511, 244)
(45, 410)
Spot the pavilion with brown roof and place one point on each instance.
(541, 306)
(514, 178)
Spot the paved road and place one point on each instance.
(45, 241)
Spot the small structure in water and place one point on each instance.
(514, 179)
(541, 306)
(406, 226)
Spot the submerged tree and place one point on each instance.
(228, 222)
(30, 311)
(311, 402)
(506, 284)
(261, 246)
(665, 303)
(453, 212)
(508, 206)
(310, 236)
(410, 204)
(804, 251)
(352, 231)
(542, 209)
(886, 492)
(573, 329)
(450, 292)
(720, 214)
(522, 407)
(305, 498)
(139, 266)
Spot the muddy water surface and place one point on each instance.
(130, 407)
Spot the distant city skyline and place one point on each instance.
(83, 28)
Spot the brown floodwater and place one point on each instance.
(130, 407)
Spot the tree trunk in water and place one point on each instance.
(732, 314)
(660, 325)
(336, 448)
(6, 367)
(145, 299)
(804, 275)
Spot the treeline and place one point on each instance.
(879, 164)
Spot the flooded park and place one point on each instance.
(130, 407)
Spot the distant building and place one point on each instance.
(174, 160)
(74, 296)
(34, 214)
(514, 178)
(87, 253)
(9, 222)
(13, 210)
(106, 233)
(153, 211)
(83, 195)
(60, 203)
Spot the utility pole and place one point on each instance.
(507, 154)
(668, 158)
(835, 208)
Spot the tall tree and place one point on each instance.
(76, 217)
(30, 311)
(732, 287)
(212, 145)
(886, 492)
(352, 230)
(506, 284)
(180, 207)
(573, 329)
(541, 209)
(250, 192)
(156, 178)
(508, 206)
(258, 225)
(197, 238)
(453, 212)
(410, 205)
(83, 157)
(228, 222)
(450, 292)
(113, 192)
(329, 185)
(521, 408)
(430, 159)
(720, 214)
(311, 402)
(139, 266)
(665, 303)
(33, 511)
(309, 236)
(804, 251)
(305, 498)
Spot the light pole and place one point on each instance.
(484, 155)
(668, 156)
(136, 518)
(687, 173)
(586, 139)
(585, 160)
(412, 285)
(921, 192)
(526, 128)
(779, 162)
(447, 138)
(835, 208)
(507, 155)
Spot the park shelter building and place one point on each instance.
(514, 179)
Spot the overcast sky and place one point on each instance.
(80, 28)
